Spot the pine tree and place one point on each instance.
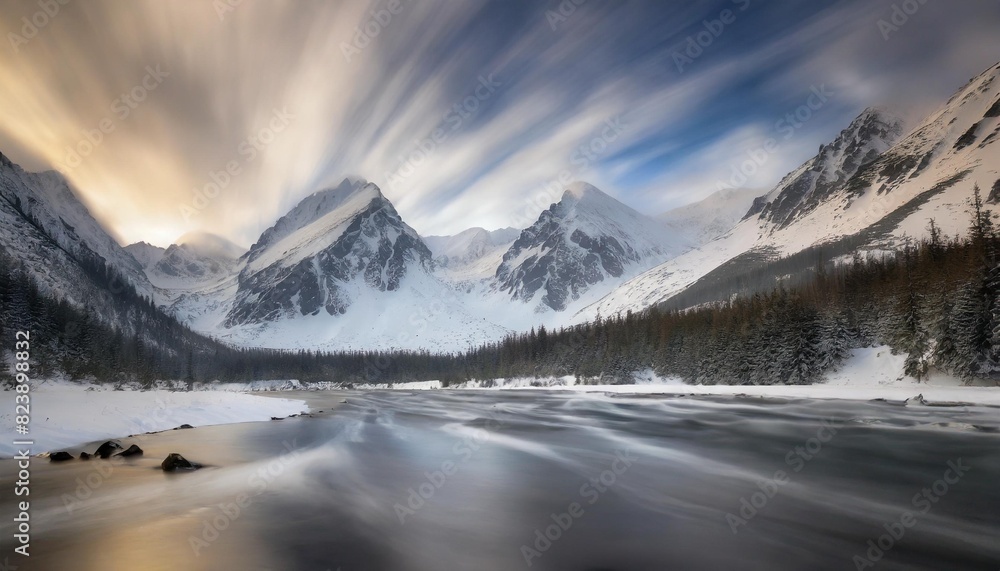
(909, 334)
(972, 332)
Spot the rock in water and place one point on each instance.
(84, 456)
(107, 449)
(132, 451)
(175, 461)
(60, 457)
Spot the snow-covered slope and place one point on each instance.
(473, 254)
(46, 226)
(705, 220)
(818, 180)
(309, 260)
(146, 254)
(862, 185)
(340, 271)
(584, 239)
(195, 257)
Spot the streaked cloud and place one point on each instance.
(410, 90)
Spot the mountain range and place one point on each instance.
(342, 270)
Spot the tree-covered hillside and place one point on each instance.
(936, 301)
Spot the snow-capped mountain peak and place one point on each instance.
(315, 207)
(145, 253)
(870, 189)
(580, 190)
(584, 239)
(869, 135)
(194, 258)
(470, 255)
(210, 245)
(313, 257)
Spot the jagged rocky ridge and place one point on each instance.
(305, 263)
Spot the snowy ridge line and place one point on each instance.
(865, 178)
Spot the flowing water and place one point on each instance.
(485, 481)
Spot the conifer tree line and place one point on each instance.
(138, 342)
(934, 301)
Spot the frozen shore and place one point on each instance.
(65, 414)
(870, 373)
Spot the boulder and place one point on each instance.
(175, 461)
(184, 427)
(60, 456)
(105, 450)
(84, 456)
(131, 451)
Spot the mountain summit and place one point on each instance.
(868, 190)
(870, 134)
(585, 238)
(331, 244)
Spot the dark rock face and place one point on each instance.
(376, 245)
(131, 451)
(967, 138)
(994, 196)
(827, 173)
(60, 456)
(84, 456)
(565, 266)
(993, 111)
(104, 451)
(175, 461)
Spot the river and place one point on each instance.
(504, 481)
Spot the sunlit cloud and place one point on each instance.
(252, 108)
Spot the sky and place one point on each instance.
(220, 115)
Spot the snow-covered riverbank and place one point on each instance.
(65, 414)
(870, 373)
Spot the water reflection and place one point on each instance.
(505, 481)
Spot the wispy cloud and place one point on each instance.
(363, 114)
